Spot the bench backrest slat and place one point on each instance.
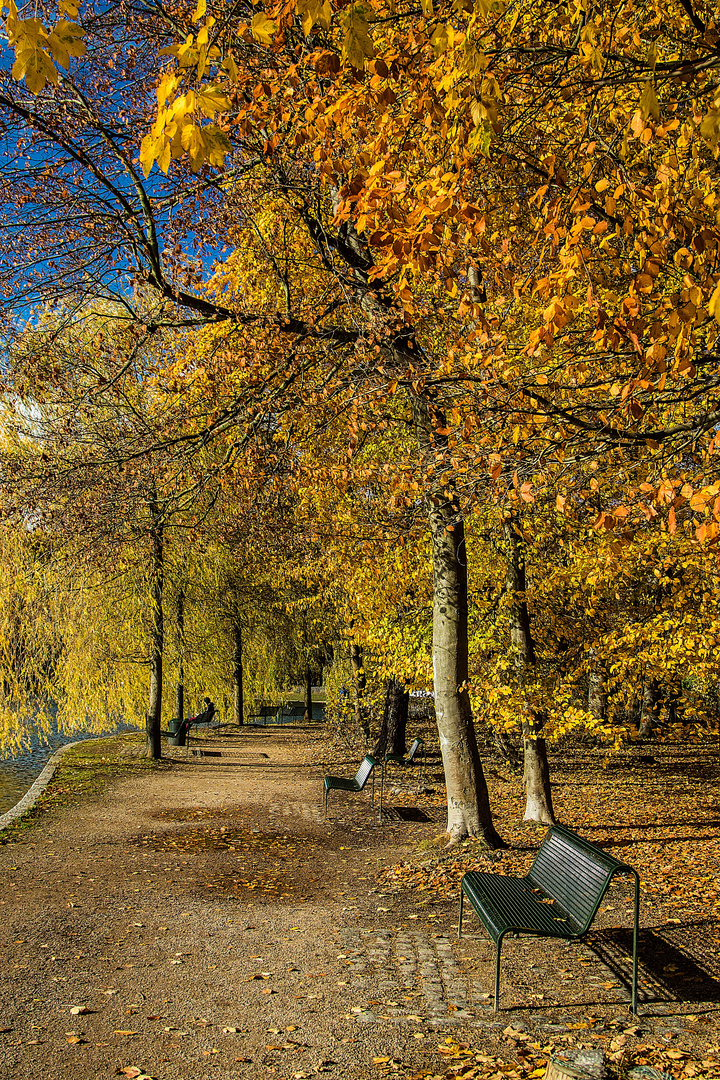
(573, 871)
(367, 766)
(416, 744)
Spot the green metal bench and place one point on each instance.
(264, 715)
(400, 759)
(558, 898)
(416, 748)
(358, 782)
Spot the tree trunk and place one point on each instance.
(506, 746)
(468, 800)
(180, 684)
(238, 701)
(469, 811)
(308, 696)
(392, 737)
(361, 718)
(597, 692)
(536, 773)
(650, 709)
(152, 723)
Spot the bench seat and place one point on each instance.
(400, 759)
(514, 905)
(558, 898)
(354, 784)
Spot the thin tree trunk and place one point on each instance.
(506, 746)
(650, 709)
(597, 692)
(392, 737)
(308, 695)
(469, 811)
(238, 701)
(152, 724)
(536, 772)
(180, 684)
(361, 718)
(397, 720)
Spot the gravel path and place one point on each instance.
(203, 921)
(209, 923)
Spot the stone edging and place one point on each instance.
(32, 795)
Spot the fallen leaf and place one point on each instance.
(79, 1010)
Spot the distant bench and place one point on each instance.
(559, 897)
(282, 714)
(354, 784)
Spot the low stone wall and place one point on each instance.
(32, 795)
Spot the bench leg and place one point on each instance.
(461, 914)
(325, 795)
(636, 931)
(498, 947)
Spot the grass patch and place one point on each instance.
(84, 770)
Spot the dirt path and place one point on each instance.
(210, 924)
(199, 915)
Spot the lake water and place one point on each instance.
(19, 772)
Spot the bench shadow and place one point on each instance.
(670, 968)
(408, 813)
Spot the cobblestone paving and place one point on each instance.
(415, 976)
(410, 976)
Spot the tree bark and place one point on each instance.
(308, 696)
(361, 718)
(180, 684)
(597, 692)
(469, 811)
(392, 737)
(536, 772)
(650, 709)
(152, 722)
(238, 700)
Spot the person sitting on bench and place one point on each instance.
(207, 714)
(202, 718)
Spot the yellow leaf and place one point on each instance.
(32, 62)
(649, 105)
(710, 127)
(69, 8)
(167, 87)
(357, 44)
(211, 100)
(514, 18)
(200, 10)
(147, 153)
(66, 41)
(231, 68)
(441, 38)
(312, 12)
(262, 28)
(217, 145)
(714, 303)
